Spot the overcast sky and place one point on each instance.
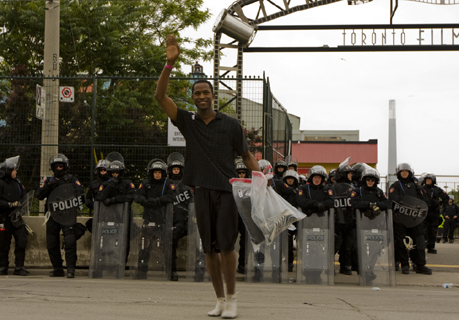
(351, 91)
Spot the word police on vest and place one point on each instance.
(182, 197)
(66, 204)
(342, 203)
(409, 211)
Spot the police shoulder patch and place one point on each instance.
(101, 188)
(132, 185)
(141, 186)
(172, 186)
(285, 185)
(353, 194)
(330, 192)
(391, 190)
(300, 193)
(78, 183)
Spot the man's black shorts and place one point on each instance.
(217, 217)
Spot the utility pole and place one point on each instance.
(391, 176)
(50, 124)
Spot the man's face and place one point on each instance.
(404, 174)
(203, 96)
(175, 170)
(292, 168)
(349, 175)
(280, 169)
(450, 201)
(157, 175)
(13, 174)
(316, 180)
(115, 174)
(428, 181)
(241, 174)
(290, 181)
(370, 182)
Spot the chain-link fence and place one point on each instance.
(105, 114)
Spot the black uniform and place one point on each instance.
(431, 222)
(153, 195)
(183, 197)
(449, 212)
(409, 188)
(11, 190)
(314, 199)
(116, 190)
(53, 228)
(363, 196)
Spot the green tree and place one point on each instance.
(110, 40)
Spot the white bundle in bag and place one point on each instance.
(270, 212)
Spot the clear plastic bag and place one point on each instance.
(270, 212)
(241, 194)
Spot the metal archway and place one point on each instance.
(251, 13)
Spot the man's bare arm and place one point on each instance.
(250, 162)
(166, 103)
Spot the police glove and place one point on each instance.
(14, 204)
(321, 207)
(153, 203)
(376, 210)
(368, 213)
(109, 201)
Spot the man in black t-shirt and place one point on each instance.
(213, 140)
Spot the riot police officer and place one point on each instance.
(59, 164)
(344, 221)
(434, 193)
(11, 191)
(242, 173)
(116, 189)
(153, 194)
(370, 200)
(406, 186)
(331, 178)
(102, 176)
(280, 166)
(313, 197)
(183, 198)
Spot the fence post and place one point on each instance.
(93, 124)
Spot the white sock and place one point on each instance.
(230, 309)
(217, 311)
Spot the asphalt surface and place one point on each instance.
(416, 296)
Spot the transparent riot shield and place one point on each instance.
(195, 258)
(315, 249)
(375, 240)
(109, 245)
(268, 263)
(151, 246)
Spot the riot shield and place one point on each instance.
(342, 202)
(151, 246)
(409, 211)
(195, 257)
(109, 243)
(63, 204)
(268, 263)
(376, 249)
(22, 210)
(315, 249)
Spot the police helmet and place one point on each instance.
(157, 164)
(404, 166)
(280, 164)
(8, 166)
(265, 166)
(291, 174)
(342, 172)
(317, 171)
(371, 173)
(116, 166)
(430, 176)
(101, 164)
(358, 169)
(241, 166)
(59, 158)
